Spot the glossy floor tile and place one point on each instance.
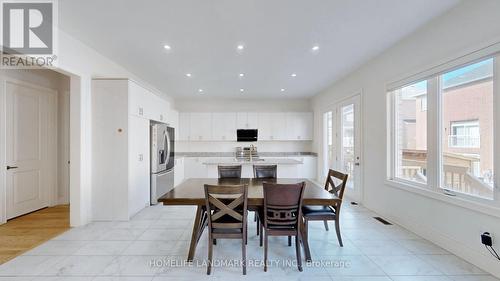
(154, 245)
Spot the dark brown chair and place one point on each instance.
(227, 216)
(326, 213)
(265, 171)
(282, 214)
(229, 172)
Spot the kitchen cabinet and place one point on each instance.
(200, 126)
(183, 126)
(299, 125)
(194, 167)
(272, 126)
(121, 114)
(224, 126)
(179, 171)
(138, 164)
(146, 104)
(247, 120)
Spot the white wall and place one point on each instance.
(468, 27)
(243, 105)
(60, 83)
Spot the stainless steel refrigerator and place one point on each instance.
(162, 160)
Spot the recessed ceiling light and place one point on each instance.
(200, 91)
(315, 48)
(242, 74)
(240, 47)
(293, 75)
(188, 74)
(242, 90)
(282, 89)
(167, 47)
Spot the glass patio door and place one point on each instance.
(342, 143)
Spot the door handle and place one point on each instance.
(357, 164)
(11, 167)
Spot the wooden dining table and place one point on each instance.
(191, 192)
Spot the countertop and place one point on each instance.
(231, 154)
(267, 161)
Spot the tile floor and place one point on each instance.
(154, 245)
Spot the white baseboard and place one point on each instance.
(484, 262)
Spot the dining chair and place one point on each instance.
(227, 217)
(263, 172)
(327, 213)
(282, 214)
(229, 172)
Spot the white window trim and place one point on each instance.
(433, 186)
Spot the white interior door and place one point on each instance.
(342, 143)
(27, 157)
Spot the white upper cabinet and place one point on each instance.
(224, 126)
(183, 129)
(247, 120)
(272, 126)
(299, 125)
(146, 104)
(252, 120)
(138, 101)
(200, 126)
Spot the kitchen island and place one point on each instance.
(287, 167)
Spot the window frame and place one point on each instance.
(434, 186)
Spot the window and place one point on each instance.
(467, 146)
(453, 110)
(411, 132)
(464, 134)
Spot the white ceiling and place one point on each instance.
(277, 34)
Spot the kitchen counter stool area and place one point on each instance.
(152, 246)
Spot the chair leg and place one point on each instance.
(255, 218)
(289, 241)
(244, 255)
(337, 228)
(210, 252)
(261, 234)
(258, 225)
(326, 225)
(297, 250)
(265, 251)
(306, 242)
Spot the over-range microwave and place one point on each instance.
(247, 134)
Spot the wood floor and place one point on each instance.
(26, 232)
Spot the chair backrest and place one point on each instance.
(265, 171)
(334, 188)
(226, 172)
(226, 205)
(283, 204)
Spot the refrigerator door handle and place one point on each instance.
(167, 145)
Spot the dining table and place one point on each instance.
(191, 192)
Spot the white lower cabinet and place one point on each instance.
(179, 171)
(194, 167)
